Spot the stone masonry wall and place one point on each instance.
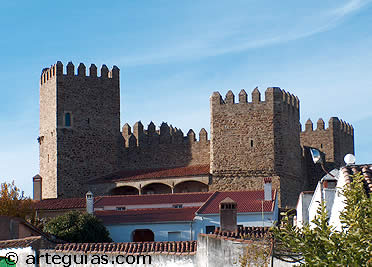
(90, 146)
(47, 134)
(166, 147)
(252, 140)
(335, 141)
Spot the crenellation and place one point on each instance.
(320, 124)
(285, 97)
(70, 69)
(243, 97)
(297, 103)
(191, 136)
(126, 130)
(171, 135)
(151, 129)
(104, 71)
(81, 70)
(59, 68)
(256, 96)
(216, 99)
(93, 70)
(203, 136)
(230, 98)
(308, 126)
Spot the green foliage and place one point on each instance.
(13, 201)
(78, 227)
(321, 244)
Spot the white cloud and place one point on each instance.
(235, 34)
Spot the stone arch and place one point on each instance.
(124, 190)
(156, 188)
(143, 235)
(190, 186)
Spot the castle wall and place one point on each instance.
(335, 141)
(163, 148)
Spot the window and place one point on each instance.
(67, 119)
(120, 208)
(177, 206)
(210, 229)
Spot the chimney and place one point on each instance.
(37, 187)
(268, 188)
(89, 202)
(228, 215)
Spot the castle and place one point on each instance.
(82, 147)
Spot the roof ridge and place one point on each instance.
(152, 195)
(124, 211)
(206, 202)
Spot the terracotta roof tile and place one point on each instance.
(197, 197)
(182, 247)
(56, 204)
(147, 215)
(125, 175)
(101, 201)
(365, 170)
(243, 234)
(19, 243)
(247, 201)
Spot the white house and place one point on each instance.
(329, 190)
(183, 219)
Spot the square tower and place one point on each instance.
(79, 127)
(251, 140)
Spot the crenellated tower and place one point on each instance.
(254, 139)
(79, 127)
(335, 141)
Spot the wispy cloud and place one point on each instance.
(238, 34)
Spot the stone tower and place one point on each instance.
(335, 141)
(79, 127)
(251, 140)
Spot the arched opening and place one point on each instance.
(156, 188)
(124, 190)
(142, 235)
(190, 186)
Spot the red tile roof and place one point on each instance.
(247, 201)
(57, 204)
(126, 175)
(198, 197)
(365, 170)
(183, 247)
(31, 241)
(19, 243)
(147, 215)
(101, 201)
(245, 233)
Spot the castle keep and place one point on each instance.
(83, 148)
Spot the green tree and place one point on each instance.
(78, 227)
(321, 244)
(13, 202)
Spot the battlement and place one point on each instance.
(333, 124)
(272, 95)
(57, 70)
(164, 135)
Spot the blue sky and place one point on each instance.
(174, 54)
